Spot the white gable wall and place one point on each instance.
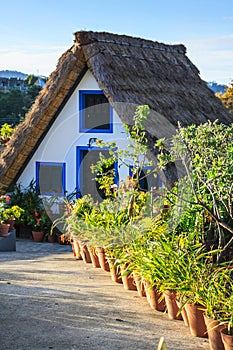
(59, 145)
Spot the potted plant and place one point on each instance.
(8, 214)
(4, 228)
(28, 198)
(227, 317)
(11, 214)
(215, 295)
(40, 223)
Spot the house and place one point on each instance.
(6, 84)
(40, 82)
(96, 86)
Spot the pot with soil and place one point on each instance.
(4, 229)
(195, 313)
(227, 338)
(115, 272)
(75, 248)
(38, 236)
(127, 279)
(214, 333)
(102, 259)
(154, 297)
(183, 312)
(94, 257)
(84, 252)
(172, 307)
(140, 285)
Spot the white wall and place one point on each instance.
(61, 141)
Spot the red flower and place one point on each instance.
(8, 198)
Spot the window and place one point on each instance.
(95, 112)
(50, 178)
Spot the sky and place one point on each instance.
(34, 34)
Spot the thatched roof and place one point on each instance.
(130, 71)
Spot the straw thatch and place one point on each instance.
(130, 71)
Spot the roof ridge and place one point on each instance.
(84, 38)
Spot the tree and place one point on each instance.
(206, 154)
(227, 98)
(30, 97)
(11, 107)
(15, 104)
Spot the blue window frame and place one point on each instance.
(51, 178)
(95, 112)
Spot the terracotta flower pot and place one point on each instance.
(172, 307)
(214, 335)
(76, 249)
(154, 297)
(94, 257)
(84, 253)
(128, 282)
(115, 273)
(4, 229)
(183, 313)
(139, 285)
(38, 236)
(196, 320)
(102, 259)
(127, 279)
(227, 339)
(51, 238)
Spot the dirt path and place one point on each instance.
(48, 300)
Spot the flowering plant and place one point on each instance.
(12, 213)
(4, 202)
(39, 220)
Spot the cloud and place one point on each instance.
(213, 57)
(229, 18)
(33, 60)
(216, 43)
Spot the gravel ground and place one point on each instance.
(49, 300)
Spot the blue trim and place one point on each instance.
(79, 159)
(116, 174)
(130, 170)
(63, 165)
(81, 113)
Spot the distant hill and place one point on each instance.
(215, 87)
(12, 74)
